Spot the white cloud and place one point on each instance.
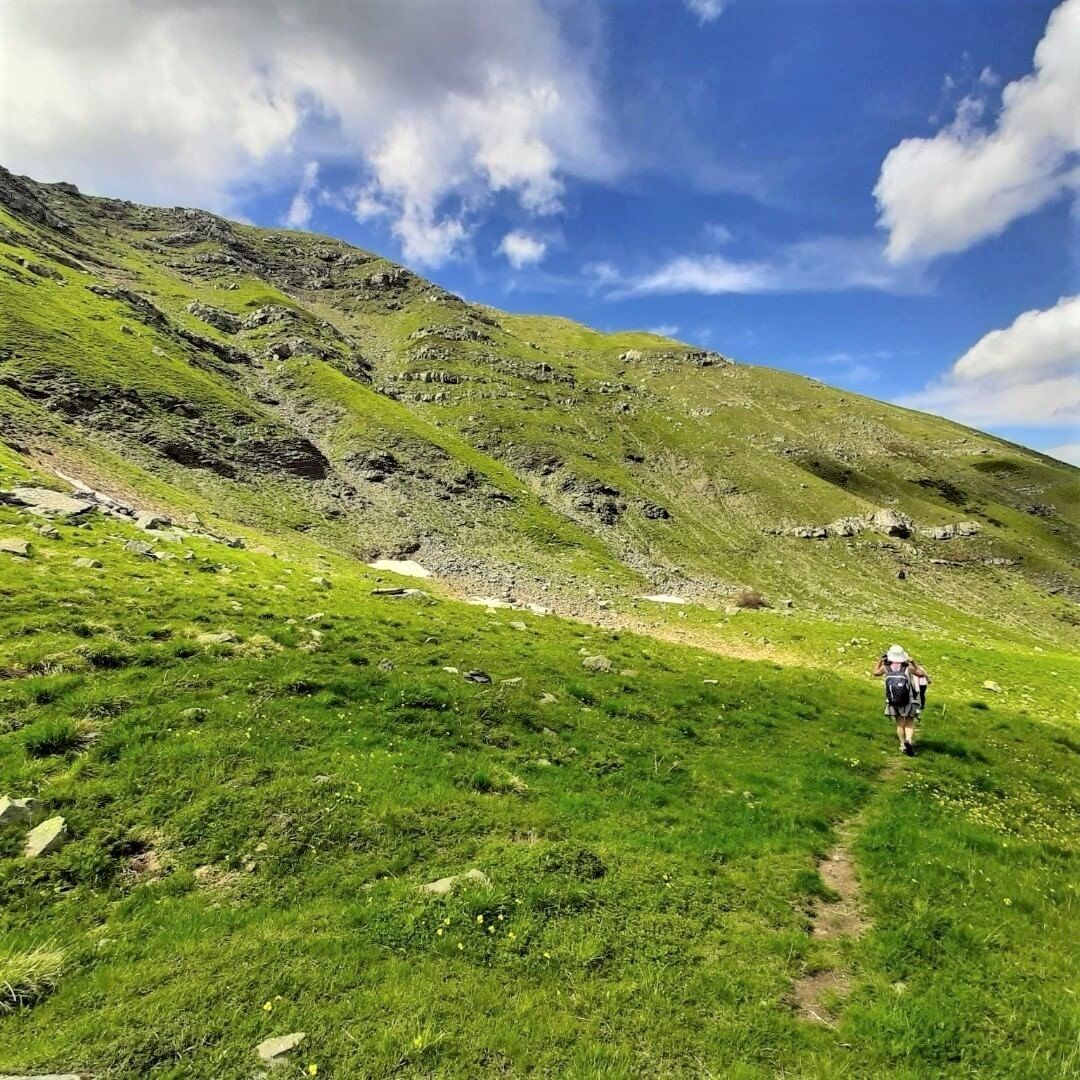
(1069, 452)
(707, 11)
(968, 182)
(664, 330)
(521, 249)
(298, 215)
(823, 264)
(1028, 373)
(438, 104)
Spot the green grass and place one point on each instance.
(650, 838)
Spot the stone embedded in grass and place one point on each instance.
(319, 582)
(548, 699)
(19, 548)
(271, 1049)
(518, 625)
(477, 676)
(225, 637)
(85, 563)
(992, 686)
(46, 838)
(596, 663)
(17, 811)
(140, 548)
(445, 886)
(664, 598)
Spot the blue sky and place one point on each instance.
(882, 195)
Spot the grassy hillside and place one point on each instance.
(695, 849)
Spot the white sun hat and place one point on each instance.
(896, 655)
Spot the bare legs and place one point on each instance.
(905, 733)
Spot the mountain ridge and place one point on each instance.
(293, 380)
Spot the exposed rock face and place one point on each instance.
(221, 320)
(951, 532)
(47, 503)
(654, 512)
(596, 663)
(147, 519)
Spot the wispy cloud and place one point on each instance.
(707, 11)
(521, 249)
(298, 215)
(823, 264)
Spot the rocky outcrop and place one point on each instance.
(951, 532)
(46, 838)
(47, 503)
(221, 320)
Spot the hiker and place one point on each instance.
(902, 695)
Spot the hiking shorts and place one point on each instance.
(910, 711)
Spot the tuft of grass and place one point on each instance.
(751, 599)
(57, 735)
(27, 975)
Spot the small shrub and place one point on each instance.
(26, 975)
(751, 599)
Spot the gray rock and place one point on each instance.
(225, 637)
(224, 321)
(445, 886)
(891, 522)
(846, 526)
(18, 811)
(272, 1049)
(319, 582)
(19, 548)
(147, 519)
(46, 838)
(951, 532)
(477, 676)
(517, 624)
(140, 548)
(85, 563)
(596, 663)
(992, 686)
(48, 503)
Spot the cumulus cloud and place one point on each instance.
(521, 249)
(1069, 453)
(970, 181)
(817, 265)
(438, 104)
(1028, 373)
(707, 11)
(298, 215)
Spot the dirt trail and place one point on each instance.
(841, 917)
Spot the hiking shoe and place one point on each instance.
(909, 749)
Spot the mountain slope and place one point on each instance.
(268, 757)
(292, 381)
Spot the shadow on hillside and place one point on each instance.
(953, 750)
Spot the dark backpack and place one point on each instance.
(897, 687)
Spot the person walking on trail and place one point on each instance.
(902, 693)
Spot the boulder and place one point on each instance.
(477, 677)
(516, 624)
(48, 503)
(85, 563)
(445, 886)
(992, 686)
(319, 582)
(147, 519)
(596, 663)
(17, 811)
(891, 522)
(19, 548)
(276, 1047)
(46, 838)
